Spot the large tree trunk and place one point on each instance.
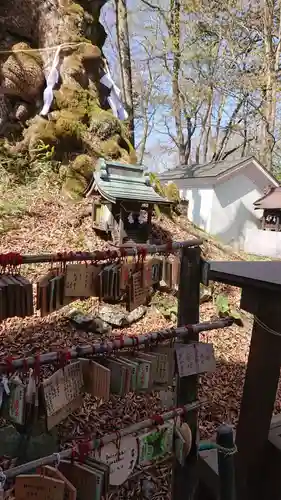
(80, 123)
(272, 46)
(123, 42)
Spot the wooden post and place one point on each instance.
(121, 225)
(226, 462)
(259, 392)
(149, 218)
(185, 478)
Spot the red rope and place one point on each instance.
(157, 419)
(121, 340)
(10, 259)
(123, 253)
(63, 357)
(142, 252)
(84, 449)
(25, 365)
(136, 341)
(37, 366)
(9, 363)
(73, 452)
(169, 246)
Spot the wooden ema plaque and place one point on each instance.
(38, 487)
(156, 443)
(127, 268)
(81, 280)
(70, 492)
(186, 359)
(82, 477)
(195, 358)
(164, 372)
(205, 357)
(16, 402)
(137, 293)
(96, 379)
(63, 393)
(121, 459)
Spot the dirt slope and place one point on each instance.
(46, 223)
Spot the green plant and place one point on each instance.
(43, 153)
(170, 192)
(224, 310)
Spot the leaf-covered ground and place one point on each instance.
(38, 223)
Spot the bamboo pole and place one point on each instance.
(132, 251)
(121, 342)
(108, 438)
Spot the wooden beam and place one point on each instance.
(149, 218)
(259, 392)
(121, 224)
(185, 479)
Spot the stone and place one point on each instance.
(120, 318)
(205, 294)
(89, 323)
(136, 314)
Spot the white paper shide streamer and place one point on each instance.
(51, 80)
(4, 388)
(114, 98)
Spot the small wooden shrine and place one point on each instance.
(270, 203)
(123, 201)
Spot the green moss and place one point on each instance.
(69, 125)
(74, 62)
(103, 124)
(132, 152)
(75, 8)
(72, 98)
(89, 51)
(111, 149)
(84, 39)
(171, 192)
(41, 130)
(83, 165)
(63, 171)
(74, 185)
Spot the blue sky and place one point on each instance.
(161, 152)
(158, 143)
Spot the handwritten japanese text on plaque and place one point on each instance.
(63, 393)
(186, 359)
(69, 490)
(205, 357)
(195, 358)
(38, 488)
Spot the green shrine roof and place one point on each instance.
(118, 181)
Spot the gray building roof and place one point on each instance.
(213, 169)
(271, 200)
(119, 181)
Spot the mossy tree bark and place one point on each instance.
(80, 125)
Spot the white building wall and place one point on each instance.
(233, 210)
(264, 243)
(199, 206)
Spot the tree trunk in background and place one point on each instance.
(221, 147)
(181, 143)
(271, 73)
(80, 125)
(123, 42)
